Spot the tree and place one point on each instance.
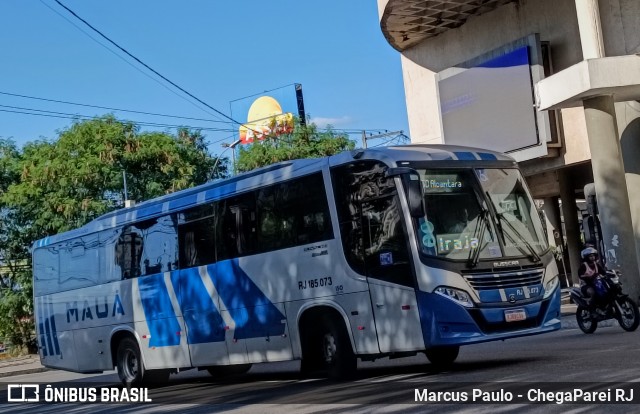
(16, 322)
(55, 186)
(304, 142)
(68, 182)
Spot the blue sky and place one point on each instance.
(218, 50)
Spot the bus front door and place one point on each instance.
(390, 275)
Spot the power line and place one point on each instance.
(65, 115)
(110, 108)
(145, 65)
(122, 58)
(263, 92)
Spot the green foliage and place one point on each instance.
(9, 158)
(16, 309)
(66, 183)
(16, 321)
(304, 142)
(53, 186)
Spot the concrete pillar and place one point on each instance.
(590, 29)
(553, 223)
(571, 225)
(611, 191)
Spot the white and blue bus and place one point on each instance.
(383, 252)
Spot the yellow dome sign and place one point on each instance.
(265, 118)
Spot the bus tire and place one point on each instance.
(224, 371)
(442, 357)
(338, 358)
(130, 367)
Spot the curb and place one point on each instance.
(23, 372)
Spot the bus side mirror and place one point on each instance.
(412, 187)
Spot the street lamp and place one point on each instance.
(226, 147)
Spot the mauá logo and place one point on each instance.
(101, 309)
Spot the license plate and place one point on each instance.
(515, 315)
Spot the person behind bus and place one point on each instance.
(588, 273)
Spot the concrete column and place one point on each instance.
(611, 191)
(551, 210)
(590, 29)
(571, 225)
(554, 224)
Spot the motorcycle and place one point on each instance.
(610, 304)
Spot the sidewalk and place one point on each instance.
(29, 364)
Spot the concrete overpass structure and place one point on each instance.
(585, 100)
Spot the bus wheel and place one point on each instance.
(131, 369)
(442, 357)
(337, 354)
(223, 371)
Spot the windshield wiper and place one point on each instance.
(474, 255)
(532, 253)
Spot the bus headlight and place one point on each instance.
(457, 295)
(550, 287)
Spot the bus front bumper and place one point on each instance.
(445, 322)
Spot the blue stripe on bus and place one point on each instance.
(183, 202)
(486, 156)
(43, 337)
(219, 192)
(149, 211)
(444, 322)
(203, 320)
(465, 156)
(54, 331)
(158, 311)
(441, 156)
(47, 327)
(518, 294)
(490, 296)
(124, 218)
(253, 313)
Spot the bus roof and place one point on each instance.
(272, 173)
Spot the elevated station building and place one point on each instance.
(554, 83)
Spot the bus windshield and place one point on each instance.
(516, 214)
(459, 224)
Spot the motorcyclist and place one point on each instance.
(588, 273)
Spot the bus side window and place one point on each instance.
(371, 227)
(270, 221)
(238, 227)
(346, 189)
(293, 213)
(385, 240)
(129, 252)
(159, 253)
(196, 232)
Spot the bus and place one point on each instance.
(372, 253)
